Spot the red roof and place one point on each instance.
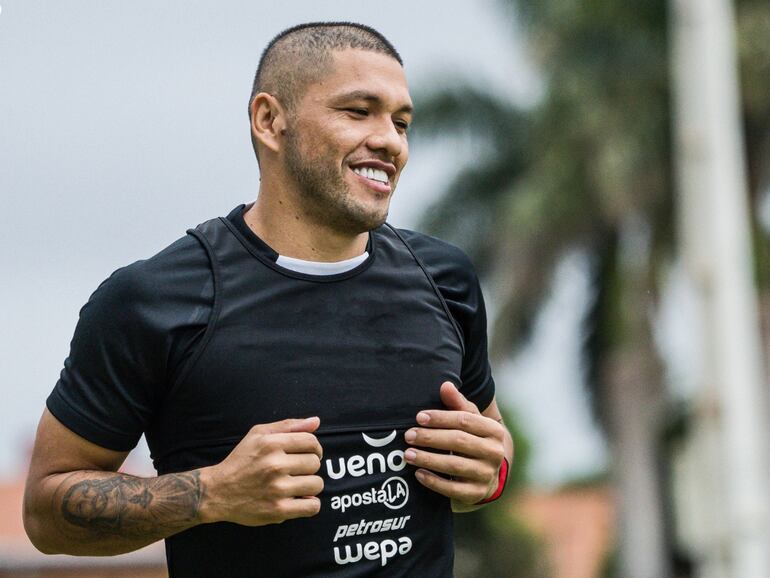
(576, 525)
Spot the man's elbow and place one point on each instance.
(36, 533)
(37, 526)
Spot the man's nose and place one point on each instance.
(385, 137)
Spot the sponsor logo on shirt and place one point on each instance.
(370, 527)
(376, 462)
(384, 550)
(393, 493)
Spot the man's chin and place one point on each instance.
(364, 226)
(375, 219)
(362, 221)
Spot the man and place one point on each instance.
(296, 363)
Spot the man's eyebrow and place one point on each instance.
(369, 97)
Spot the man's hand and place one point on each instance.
(77, 503)
(476, 446)
(269, 476)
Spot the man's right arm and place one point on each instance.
(77, 503)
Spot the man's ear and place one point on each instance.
(268, 121)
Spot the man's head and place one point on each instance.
(329, 112)
(302, 54)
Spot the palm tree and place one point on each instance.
(588, 169)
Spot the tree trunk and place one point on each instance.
(717, 250)
(634, 405)
(634, 401)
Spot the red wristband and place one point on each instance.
(502, 477)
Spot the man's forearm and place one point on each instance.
(104, 513)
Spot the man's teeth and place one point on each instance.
(370, 173)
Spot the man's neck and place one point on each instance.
(290, 233)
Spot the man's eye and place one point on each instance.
(402, 125)
(359, 111)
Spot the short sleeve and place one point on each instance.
(131, 334)
(459, 285)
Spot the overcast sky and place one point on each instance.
(124, 123)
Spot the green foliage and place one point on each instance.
(522, 451)
(587, 481)
(611, 565)
(593, 155)
(753, 18)
(588, 164)
(511, 551)
(762, 259)
(568, 173)
(753, 22)
(467, 212)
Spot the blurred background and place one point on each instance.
(605, 164)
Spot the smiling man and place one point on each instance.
(312, 382)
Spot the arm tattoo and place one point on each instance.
(123, 505)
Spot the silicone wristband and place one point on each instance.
(502, 477)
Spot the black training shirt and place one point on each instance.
(210, 336)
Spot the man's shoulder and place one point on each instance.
(442, 258)
(178, 269)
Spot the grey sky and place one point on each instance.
(124, 123)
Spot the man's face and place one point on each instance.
(346, 141)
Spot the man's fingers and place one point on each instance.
(297, 443)
(463, 491)
(473, 423)
(452, 465)
(307, 424)
(302, 486)
(293, 436)
(456, 441)
(301, 464)
(304, 507)
(454, 400)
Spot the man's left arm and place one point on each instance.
(472, 446)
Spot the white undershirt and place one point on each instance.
(319, 267)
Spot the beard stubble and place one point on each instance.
(328, 198)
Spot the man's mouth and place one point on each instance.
(377, 175)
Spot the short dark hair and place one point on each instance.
(301, 55)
